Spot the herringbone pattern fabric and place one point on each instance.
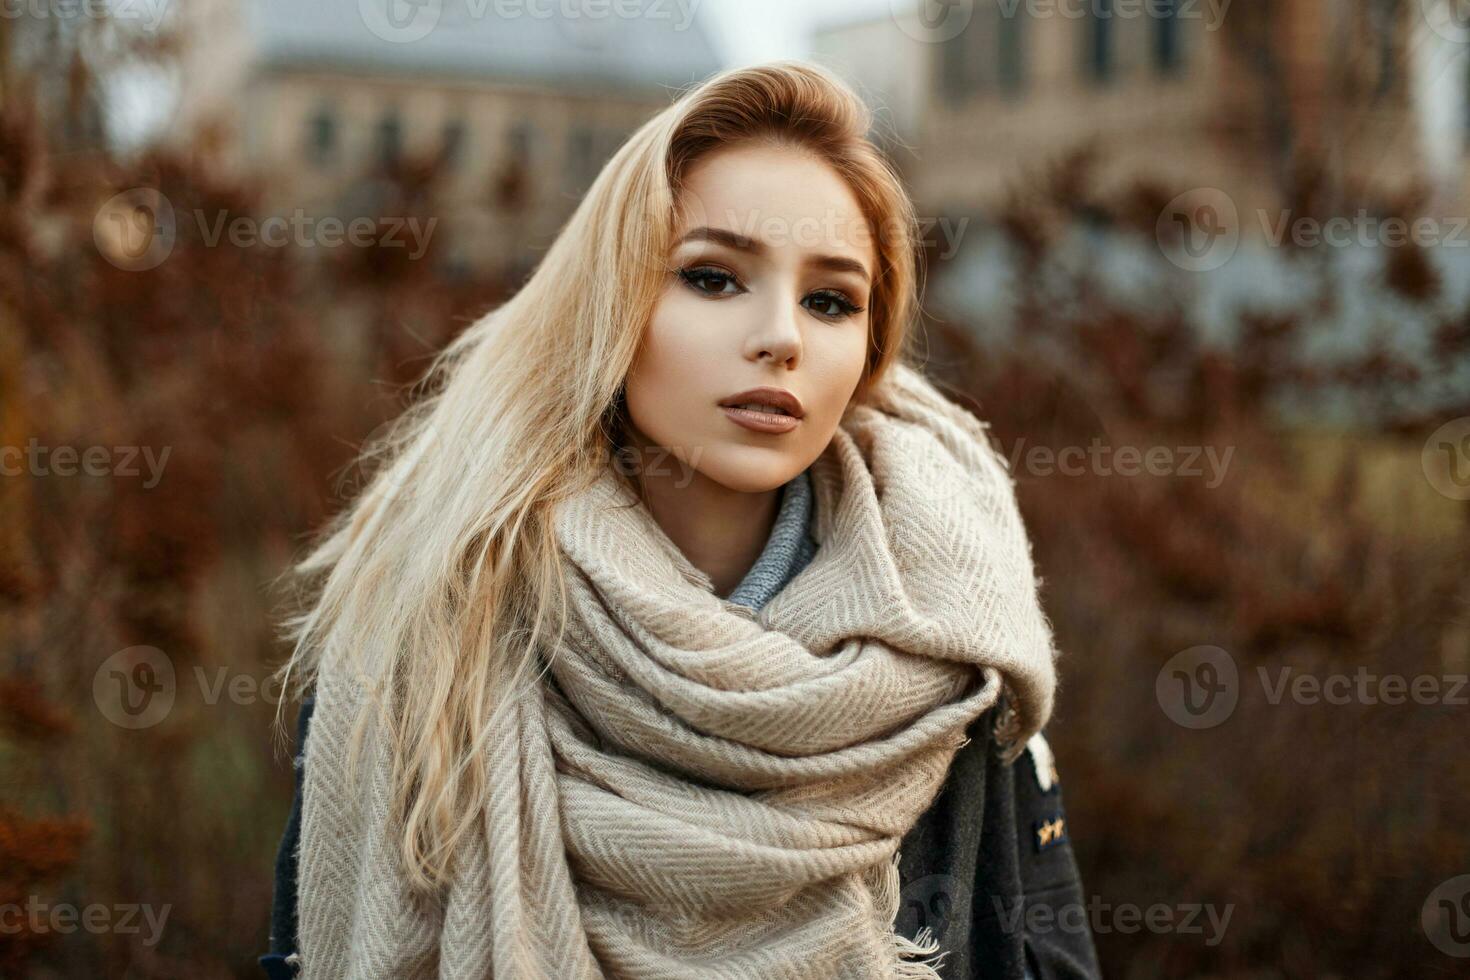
(699, 792)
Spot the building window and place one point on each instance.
(581, 159)
(960, 72)
(987, 56)
(1383, 18)
(1098, 42)
(321, 136)
(451, 147)
(1011, 56)
(518, 142)
(390, 139)
(1168, 54)
(512, 186)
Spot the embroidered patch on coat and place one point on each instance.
(1050, 831)
(1043, 762)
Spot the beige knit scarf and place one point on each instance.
(705, 791)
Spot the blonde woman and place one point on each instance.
(686, 630)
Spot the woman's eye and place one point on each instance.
(714, 282)
(833, 306)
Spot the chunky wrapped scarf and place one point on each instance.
(697, 790)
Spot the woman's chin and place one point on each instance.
(751, 469)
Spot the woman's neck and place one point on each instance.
(721, 531)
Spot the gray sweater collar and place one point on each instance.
(788, 550)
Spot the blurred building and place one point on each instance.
(1259, 132)
(983, 99)
(515, 106)
(1189, 93)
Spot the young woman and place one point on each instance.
(686, 631)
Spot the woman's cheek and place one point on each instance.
(839, 363)
(667, 384)
(700, 342)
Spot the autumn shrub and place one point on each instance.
(1320, 549)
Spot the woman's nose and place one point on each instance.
(776, 334)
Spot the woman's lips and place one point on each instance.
(760, 421)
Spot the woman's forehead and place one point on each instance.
(772, 197)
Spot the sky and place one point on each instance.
(749, 31)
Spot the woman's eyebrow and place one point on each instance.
(721, 236)
(841, 263)
(743, 243)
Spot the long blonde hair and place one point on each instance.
(439, 580)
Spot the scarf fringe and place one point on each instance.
(918, 958)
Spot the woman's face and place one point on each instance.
(768, 288)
